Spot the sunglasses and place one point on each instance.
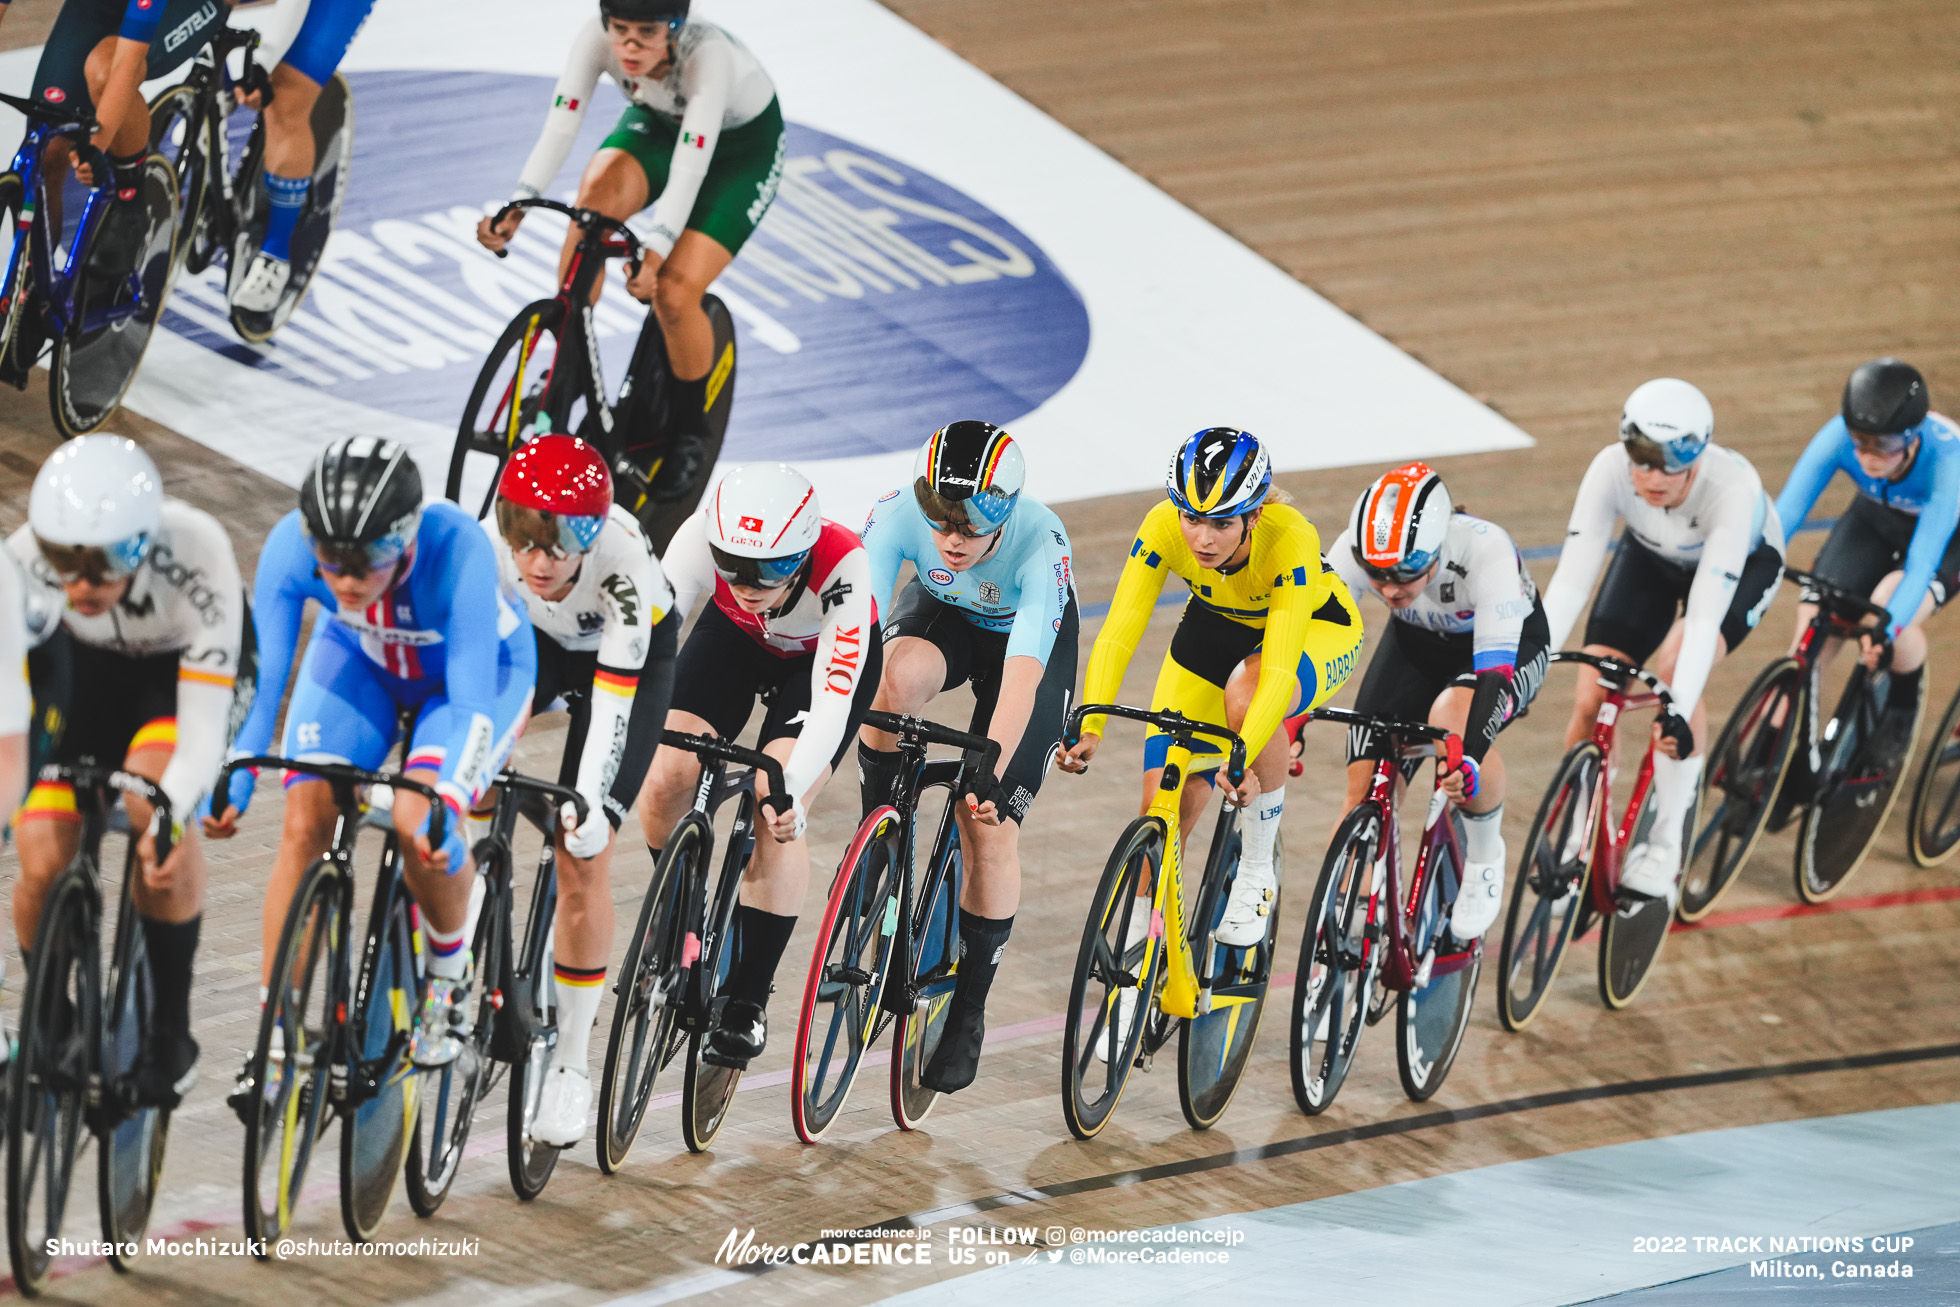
(356, 561)
(575, 533)
(756, 573)
(1878, 442)
(95, 564)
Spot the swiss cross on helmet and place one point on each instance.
(762, 522)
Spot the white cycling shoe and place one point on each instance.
(1248, 908)
(1479, 901)
(563, 1107)
(1652, 871)
(263, 284)
(1126, 1016)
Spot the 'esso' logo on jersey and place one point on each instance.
(940, 576)
(970, 316)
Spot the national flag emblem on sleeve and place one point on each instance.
(695, 139)
(751, 524)
(565, 102)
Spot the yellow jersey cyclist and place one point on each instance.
(1269, 632)
(993, 606)
(144, 663)
(1465, 649)
(702, 141)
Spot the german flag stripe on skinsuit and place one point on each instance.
(205, 678)
(158, 734)
(50, 801)
(622, 684)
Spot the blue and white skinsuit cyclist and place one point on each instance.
(415, 622)
(1701, 536)
(993, 605)
(1896, 542)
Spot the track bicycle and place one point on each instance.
(888, 947)
(1148, 964)
(332, 1036)
(680, 955)
(80, 1031)
(543, 375)
(1934, 832)
(1569, 873)
(1370, 942)
(93, 323)
(1775, 761)
(200, 126)
(515, 1024)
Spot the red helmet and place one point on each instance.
(565, 477)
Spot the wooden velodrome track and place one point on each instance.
(1549, 201)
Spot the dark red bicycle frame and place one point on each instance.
(1610, 843)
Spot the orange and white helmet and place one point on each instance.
(762, 524)
(1401, 522)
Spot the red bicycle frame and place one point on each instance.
(1610, 843)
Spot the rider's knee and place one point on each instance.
(674, 295)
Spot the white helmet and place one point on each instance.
(1670, 417)
(1400, 523)
(95, 508)
(762, 524)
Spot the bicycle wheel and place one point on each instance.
(129, 1156)
(1738, 786)
(96, 358)
(934, 962)
(333, 154)
(1099, 1048)
(291, 1063)
(1213, 1047)
(449, 1098)
(1338, 962)
(1433, 1014)
(517, 388)
(1935, 829)
(645, 1025)
(1550, 892)
(180, 136)
(709, 1090)
(1631, 936)
(383, 1085)
(840, 1016)
(22, 329)
(46, 1123)
(534, 994)
(1856, 796)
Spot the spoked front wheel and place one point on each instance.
(1858, 792)
(1739, 785)
(518, 394)
(1550, 887)
(49, 1092)
(450, 1097)
(645, 1025)
(534, 996)
(709, 1089)
(934, 967)
(1117, 971)
(1213, 1047)
(129, 1157)
(1935, 831)
(1433, 1014)
(840, 1015)
(1338, 962)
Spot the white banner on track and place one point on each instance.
(940, 249)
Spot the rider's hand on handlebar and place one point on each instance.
(1462, 781)
(222, 827)
(159, 879)
(786, 826)
(1077, 759)
(1874, 651)
(496, 237)
(1246, 791)
(643, 281)
(1673, 736)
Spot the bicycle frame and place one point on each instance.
(59, 290)
(1610, 842)
(1830, 622)
(210, 77)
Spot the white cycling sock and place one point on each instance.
(579, 993)
(1675, 783)
(476, 828)
(1483, 835)
(479, 890)
(1260, 827)
(447, 956)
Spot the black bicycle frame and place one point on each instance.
(516, 1019)
(1840, 614)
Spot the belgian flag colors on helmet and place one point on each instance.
(1219, 472)
(976, 465)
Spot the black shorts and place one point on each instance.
(82, 720)
(567, 674)
(1412, 666)
(976, 655)
(185, 28)
(721, 671)
(1869, 543)
(1643, 593)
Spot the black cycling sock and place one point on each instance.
(760, 938)
(1905, 688)
(127, 173)
(982, 942)
(689, 408)
(877, 775)
(172, 946)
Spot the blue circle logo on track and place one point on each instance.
(873, 305)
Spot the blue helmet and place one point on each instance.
(1219, 472)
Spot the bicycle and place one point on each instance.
(1569, 873)
(1171, 974)
(1934, 834)
(678, 956)
(1765, 776)
(523, 391)
(1369, 943)
(515, 1022)
(888, 951)
(225, 209)
(331, 1036)
(78, 1042)
(95, 325)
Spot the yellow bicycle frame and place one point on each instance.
(1182, 996)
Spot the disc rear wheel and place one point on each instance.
(1739, 785)
(1213, 1047)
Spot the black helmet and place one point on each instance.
(969, 470)
(1885, 397)
(671, 12)
(361, 502)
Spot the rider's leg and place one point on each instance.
(1657, 870)
(668, 791)
(771, 896)
(915, 670)
(1907, 671)
(289, 155)
(306, 830)
(171, 913)
(684, 278)
(614, 184)
(443, 893)
(46, 835)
